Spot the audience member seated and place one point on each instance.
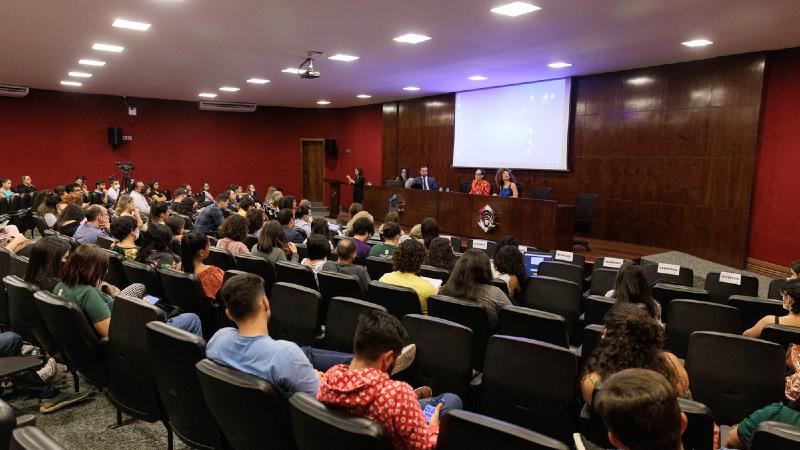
(505, 184)
(318, 252)
(156, 195)
(187, 188)
(232, 204)
(47, 257)
(479, 185)
(301, 219)
(159, 212)
(47, 210)
(71, 217)
(38, 199)
(440, 254)
(252, 192)
(272, 205)
(640, 409)
(126, 207)
(509, 266)
(245, 205)
(795, 269)
(630, 286)
(272, 245)
(5, 188)
(74, 188)
(250, 349)
(307, 204)
(472, 280)
(320, 226)
(632, 339)
(113, 191)
(180, 194)
(430, 231)
(790, 291)
(207, 193)
(85, 269)
(346, 250)
(50, 398)
(512, 241)
(194, 249)
(13, 240)
(390, 217)
(286, 219)
(232, 234)
(391, 237)
(187, 208)
(100, 188)
(156, 248)
(210, 218)
(365, 388)
(125, 230)
(26, 186)
(741, 434)
(287, 201)
(73, 198)
(255, 221)
(416, 233)
(176, 224)
(137, 192)
(354, 209)
(363, 229)
(96, 225)
(406, 263)
(81, 182)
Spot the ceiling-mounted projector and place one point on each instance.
(308, 72)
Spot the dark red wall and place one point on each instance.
(56, 136)
(773, 228)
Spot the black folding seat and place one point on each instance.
(502, 285)
(664, 293)
(41, 225)
(595, 309)
(569, 257)
(250, 241)
(317, 426)
(295, 310)
(781, 334)
(260, 267)
(302, 251)
(221, 258)
(483, 245)
(754, 309)
(590, 337)
(251, 413)
(455, 242)
(185, 291)
(562, 271)
(462, 429)
(734, 375)
(775, 435)
(532, 324)
(333, 284)
(378, 266)
(296, 273)
(19, 265)
(20, 296)
(398, 300)
(105, 242)
(775, 288)
(720, 290)
(148, 276)
(699, 433)
(435, 272)
(555, 296)
(466, 313)
(5, 268)
(541, 193)
(684, 317)
(340, 327)
(602, 281)
(33, 438)
(661, 273)
(116, 275)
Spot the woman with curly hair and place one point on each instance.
(505, 183)
(255, 220)
(233, 232)
(632, 340)
(441, 254)
(472, 280)
(509, 266)
(406, 262)
(630, 286)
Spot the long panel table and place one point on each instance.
(543, 224)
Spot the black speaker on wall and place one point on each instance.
(114, 137)
(330, 147)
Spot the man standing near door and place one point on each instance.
(427, 183)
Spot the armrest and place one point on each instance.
(475, 392)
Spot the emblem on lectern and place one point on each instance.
(487, 218)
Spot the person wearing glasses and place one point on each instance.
(96, 225)
(480, 186)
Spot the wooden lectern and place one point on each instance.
(336, 192)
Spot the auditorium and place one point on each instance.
(399, 225)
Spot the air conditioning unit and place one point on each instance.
(226, 106)
(7, 90)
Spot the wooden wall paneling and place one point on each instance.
(634, 222)
(644, 89)
(411, 113)
(724, 232)
(684, 132)
(389, 167)
(641, 133)
(456, 220)
(689, 84)
(409, 143)
(576, 139)
(390, 115)
(733, 131)
(440, 110)
(679, 227)
(681, 181)
(738, 79)
(601, 93)
(729, 182)
(601, 134)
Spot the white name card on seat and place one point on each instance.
(480, 245)
(522, 248)
(730, 278)
(563, 256)
(614, 263)
(669, 269)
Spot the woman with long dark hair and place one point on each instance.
(404, 175)
(505, 184)
(632, 339)
(69, 220)
(48, 208)
(207, 197)
(358, 185)
(159, 212)
(441, 254)
(430, 230)
(156, 195)
(320, 226)
(156, 248)
(194, 249)
(272, 245)
(471, 279)
(47, 257)
(509, 266)
(630, 286)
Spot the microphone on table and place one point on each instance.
(532, 184)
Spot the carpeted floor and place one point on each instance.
(91, 424)
(701, 267)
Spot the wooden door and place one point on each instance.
(313, 168)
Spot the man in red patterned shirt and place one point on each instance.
(365, 389)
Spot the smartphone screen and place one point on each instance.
(431, 408)
(151, 299)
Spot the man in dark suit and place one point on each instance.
(286, 219)
(427, 183)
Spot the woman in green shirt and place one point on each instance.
(741, 434)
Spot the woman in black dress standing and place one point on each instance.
(358, 185)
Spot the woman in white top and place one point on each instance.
(48, 209)
(509, 266)
(125, 207)
(318, 252)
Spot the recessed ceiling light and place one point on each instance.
(229, 89)
(132, 25)
(294, 71)
(411, 88)
(340, 57)
(323, 102)
(71, 83)
(515, 9)
(363, 96)
(477, 78)
(207, 95)
(257, 81)
(697, 43)
(80, 74)
(110, 48)
(559, 65)
(90, 62)
(412, 38)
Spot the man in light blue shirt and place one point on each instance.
(96, 224)
(250, 349)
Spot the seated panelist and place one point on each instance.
(480, 185)
(427, 183)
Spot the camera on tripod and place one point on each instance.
(126, 166)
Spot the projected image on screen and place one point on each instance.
(519, 127)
